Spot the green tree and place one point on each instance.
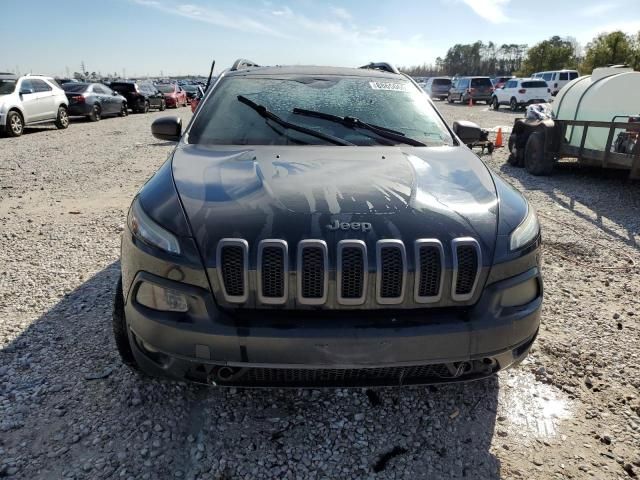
(553, 54)
(609, 49)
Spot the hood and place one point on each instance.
(294, 193)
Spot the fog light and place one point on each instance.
(159, 298)
(520, 294)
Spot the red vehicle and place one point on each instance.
(174, 95)
(196, 99)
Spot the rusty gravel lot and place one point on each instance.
(69, 409)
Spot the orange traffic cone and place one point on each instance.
(498, 142)
(470, 101)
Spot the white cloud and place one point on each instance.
(490, 10)
(597, 9)
(244, 23)
(341, 13)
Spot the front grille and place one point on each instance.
(312, 266)
(232, 265)
(269, 283)
(352, 255)
(391, 265)
(466, 267)
(336, 377)
(273, 271)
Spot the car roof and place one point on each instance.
(315, 70)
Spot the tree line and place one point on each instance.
(555, 53)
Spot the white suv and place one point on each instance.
(556, 79)
(31, 100)
(520, 92)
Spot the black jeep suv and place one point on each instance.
(324, 226)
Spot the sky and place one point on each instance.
(177, 37)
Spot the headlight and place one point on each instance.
(526, 232)
(149, 231)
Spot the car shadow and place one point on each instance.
(80, 410)
(599, 196)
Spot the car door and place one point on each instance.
(29, 101)
(506, 92)
(114, 101)
(102, 99)
(44, 105)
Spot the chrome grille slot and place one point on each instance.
(391, 271)
(352, 272)
(466, 268)
(429, 258)
(312, 272)
(273, 269)
(232, 260)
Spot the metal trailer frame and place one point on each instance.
(539, 161)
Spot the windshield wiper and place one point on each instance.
(354, 122)
(264, 112)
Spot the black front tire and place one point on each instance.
(120, 333)
(535, 160)
(62, 120)
(495, 104)
(124, 110)
(163, 105)
(513, 105)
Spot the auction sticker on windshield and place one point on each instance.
(394, 87)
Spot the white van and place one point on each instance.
(556, 79)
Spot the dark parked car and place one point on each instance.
(94, 100)
(140, 96)
(474, 88)
(438, 87)
(174, 95)
(191, 91)
(324, 226)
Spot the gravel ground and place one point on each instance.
(69, 409)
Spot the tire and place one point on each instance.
(513, 104)
(449, 99)
(535, 160)
(124, 110)
(490, 148)
(163, 105)
(62, 120)
(514, 159)
(15, 124)
(146, 107)
(96, 113)
(495, 104)
(120, 334)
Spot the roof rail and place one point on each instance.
(242, 63)
(383, 66)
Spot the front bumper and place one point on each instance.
(292, 348)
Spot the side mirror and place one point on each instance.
(114, 93)
(167, 128)
(26, 91)
(468, 132)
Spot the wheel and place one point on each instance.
(490, 147)
(62, 120)
(124, 111)
(15, 124)
(495, 103)
(535, 160)
(449, 99)
(513, 104)
(163, 105)
(146, 107)
(96, 113)
(120, 334)
(515, 157)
